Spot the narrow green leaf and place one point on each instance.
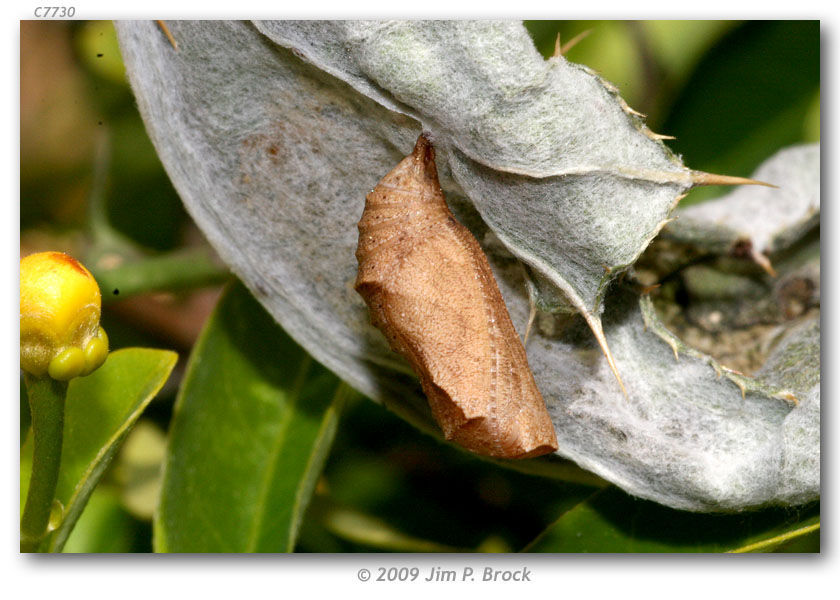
(100, 411)
(612, 521)
(253, 423)
(768, 543)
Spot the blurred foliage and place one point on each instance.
(733, 93)
(72, 86)
(106, 526)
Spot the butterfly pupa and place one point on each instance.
(430, 290)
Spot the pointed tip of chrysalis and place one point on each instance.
(424, 155)
(424, 149)
(701, 178)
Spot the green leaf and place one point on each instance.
(807, 531)
(612, 521)
(253, 423)
(101, 410)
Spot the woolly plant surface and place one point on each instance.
(767, 220)
(273, 132)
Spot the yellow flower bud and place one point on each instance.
(60, 306)
(67, 364)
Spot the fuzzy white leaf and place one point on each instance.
(768, 219)
(274, 132)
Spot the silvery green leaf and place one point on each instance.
(796, 364)
(271, 157)
(693, 434)
(274, 132)
(763, 219)
(529, 141)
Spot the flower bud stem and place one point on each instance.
(46, 401)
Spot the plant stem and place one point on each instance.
(46, 402)
(168, 272)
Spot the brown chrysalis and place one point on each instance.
(430, 290)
